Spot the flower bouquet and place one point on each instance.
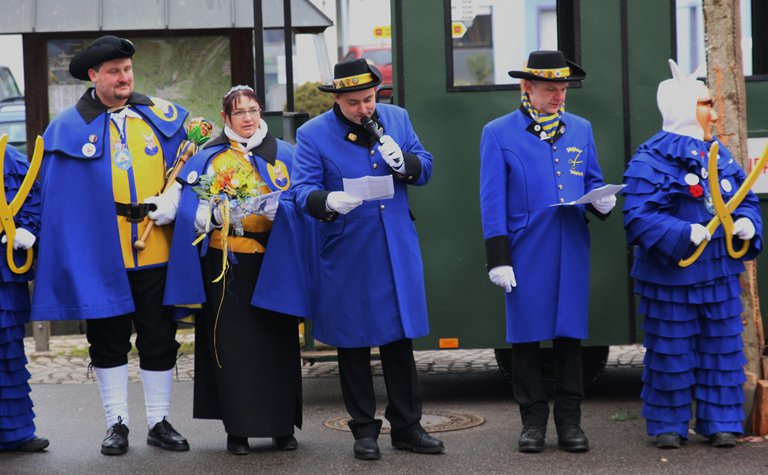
(233, 188)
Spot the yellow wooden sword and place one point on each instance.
(9, 210)
(723, 210)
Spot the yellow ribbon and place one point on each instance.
(9, 210)
(723, 210)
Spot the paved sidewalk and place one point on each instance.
(67, 360)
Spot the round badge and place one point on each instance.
(93, 138)
(537, 127)
(726, 185)
(89, 149)
(691, 179)
(192, 177)
(704, 173)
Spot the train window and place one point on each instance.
(487, 38)
(689, 26)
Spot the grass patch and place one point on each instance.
(624, 415)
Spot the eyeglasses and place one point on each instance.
(240, 113)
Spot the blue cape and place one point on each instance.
(80, 273)
(284, 284)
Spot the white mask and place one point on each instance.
(677, 98)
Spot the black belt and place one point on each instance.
(134, 212)
(261, 238)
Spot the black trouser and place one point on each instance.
(529, 389)
(110, 338)
(404, 407)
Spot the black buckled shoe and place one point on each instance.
(669, 440)
(116, 441)
(417, 440)
(37, 444)
(367, 448)
(572, 439)
(531, 439)
(723, 440)
(286, 442)
(163, 435)
(238, 445)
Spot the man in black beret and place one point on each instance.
(113, 149)
(531, 160)
(371, 283)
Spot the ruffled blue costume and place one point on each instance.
(692, 315)
(16, 416)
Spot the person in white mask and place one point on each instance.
(691, 314)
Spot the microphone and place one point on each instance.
(372, 128)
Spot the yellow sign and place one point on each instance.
(382, 32)
(458, 29)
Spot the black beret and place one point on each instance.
(102, 49)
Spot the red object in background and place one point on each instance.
(379, 56)
(696, 190)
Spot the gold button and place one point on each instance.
(560, 186)
(557, 160)
(558, 173)
(375, 165)
(382, 206)
(562, 200)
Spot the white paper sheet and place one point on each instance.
(594, 195)
(258, 203)
(370, 187)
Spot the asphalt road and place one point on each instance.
(70, 415)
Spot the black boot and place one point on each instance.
(572, 439)
(417, 440)
(37, 444)
(286, 442)
(723, 440)
(238, 445)
(531, 439)
(668, 440)
(163, 435)
(366, 448)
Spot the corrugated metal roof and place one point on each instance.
(47, 16)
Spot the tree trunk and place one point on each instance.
(722, 27)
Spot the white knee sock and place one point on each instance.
(157, 394)
(113, 386)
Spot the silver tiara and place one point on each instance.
(237, 88)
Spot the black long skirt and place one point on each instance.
(247, 361)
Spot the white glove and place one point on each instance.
(391, 153)
(605, 204)
(270, 210)
(743, 229)
(167, 203)
(699, 233)
(236, 215)
(25, 239)
(341, 202)
(504, 277)
(203, 222)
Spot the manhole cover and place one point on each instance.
(432, 421)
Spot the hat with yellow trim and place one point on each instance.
(355, 75)
(102, 49)
(549, 66)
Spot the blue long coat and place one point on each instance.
(521, 177)
(370, 276)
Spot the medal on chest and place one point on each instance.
(122, 156)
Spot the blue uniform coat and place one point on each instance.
(370, 276)
(284, 284)
(521, 177)
(80, 273)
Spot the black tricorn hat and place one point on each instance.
(351, 76)
(102, 49)
(549, 66)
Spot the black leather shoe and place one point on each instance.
(572, 439)
(35, 445)
(417, 440)
(367, 448)
(116, 441)
(238, 445)
(286, 442)
(531, 439)
(163, 435)
(668, 440)
(723, 440)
